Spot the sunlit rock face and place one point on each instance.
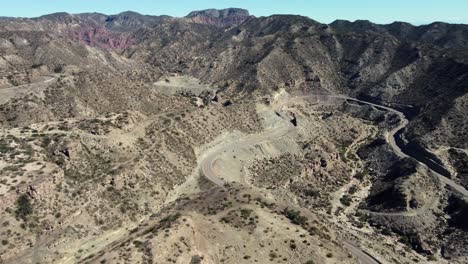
(220, 18)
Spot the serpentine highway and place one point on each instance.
(390, 138)
(283, 128)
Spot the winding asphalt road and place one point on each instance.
(362, 256)
(390, 138)
(283, 128)
(207, 163)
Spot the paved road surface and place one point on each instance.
(207, 164)
(363, 257)
(208, 171)
(390, 138)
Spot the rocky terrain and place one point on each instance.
(221, 137)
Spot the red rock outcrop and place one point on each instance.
(102, 38)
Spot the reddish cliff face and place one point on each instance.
(124, 30)
(100, 30)
(102, 38)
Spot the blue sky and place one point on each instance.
(379, 11)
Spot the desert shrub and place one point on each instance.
(167, 221)
(360, 176)
(386, 231)
(245, 213)
(196, 260)
(353, 189)
(4, 147)
(295, 217)
(11, 168)
(311, 193)
(138, 243)
(346, 200)
(23, 207)
(46, 141)
(58, 68)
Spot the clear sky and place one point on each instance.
(326, 11)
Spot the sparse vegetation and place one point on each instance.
(24, 207)
(169, 220)
(346, 200)
(99, 164)
(295, 216)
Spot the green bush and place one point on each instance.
(23, 207)
(353, 189)
(295, 217)
(359, 176)
(312, 193)
(245, 213)
(4, 147)
(167, 221)
(346, 200)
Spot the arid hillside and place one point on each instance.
(221, 137)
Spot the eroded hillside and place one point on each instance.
(225, 138)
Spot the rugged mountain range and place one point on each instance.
(104, 71)
(396, 62)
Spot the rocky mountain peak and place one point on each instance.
(61, 17)
(221, 18)
(220, 13)
(130, 20)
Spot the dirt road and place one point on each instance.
(7, 93)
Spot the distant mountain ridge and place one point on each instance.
(220, 13)
(129, 19)
(125, 29)
(221, 18)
